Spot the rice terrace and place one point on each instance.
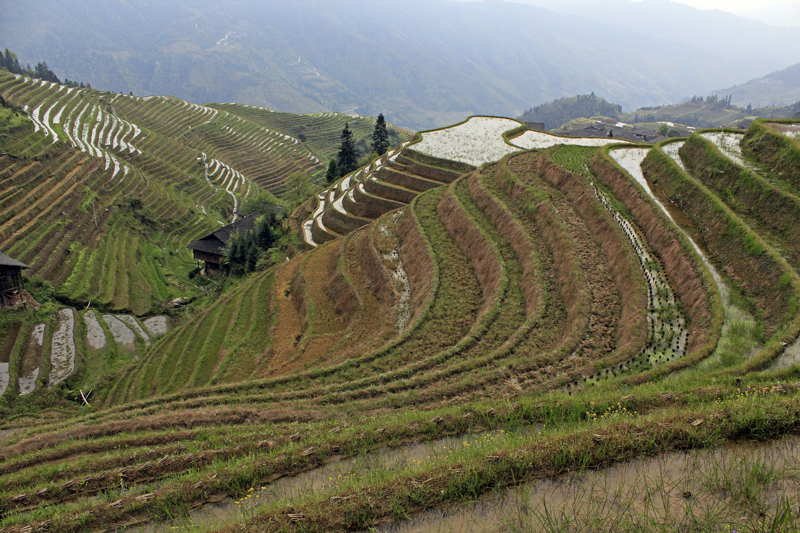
(486, 327)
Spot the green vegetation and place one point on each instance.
(447, 334)
(346, 159)
(10, 62)
(380, 137)
(561, 111)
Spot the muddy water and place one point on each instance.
(95, 335)
(329, 477)
(31, 360)
(677, 490)
(124, 337)
(631, 160)
(394, 262)
(4, 377)
(62, 354)
(790, 357)
(134, 325)
(157, 325)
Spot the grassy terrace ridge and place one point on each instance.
(498, 325)
(769, 146)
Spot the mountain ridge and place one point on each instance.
(417, 62)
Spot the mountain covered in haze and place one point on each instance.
(421, 63)
(777, 88)
(780, 14)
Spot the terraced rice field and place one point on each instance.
(454, 329)
(102, 193)
(478, 140)
(74, 347)
(538, 140)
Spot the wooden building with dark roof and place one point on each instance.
(211, 248)
(10, 280)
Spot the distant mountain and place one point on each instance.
(782, 14)
(758, 47)
(778, 88)
(423, 63)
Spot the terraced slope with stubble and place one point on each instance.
(529, 308)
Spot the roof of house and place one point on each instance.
(7, 261)
(214, 242)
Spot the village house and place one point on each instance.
(211, 248)
(10, 280)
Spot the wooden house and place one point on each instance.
(593, 130)
(10, 280)
(211, 248)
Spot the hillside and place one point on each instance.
(102, 192)
(780, 88)
(422, 63)
(554, 114)
(481, 308)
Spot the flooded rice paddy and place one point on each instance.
(741, 487)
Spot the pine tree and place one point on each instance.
(332, 172)
(264, 234)
(380, 137)
(252, 256)
(348, 158)
(43, 72)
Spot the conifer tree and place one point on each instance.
(380, 137)
(264, 233)
(348, 158)
(252, 256)
(332, 172)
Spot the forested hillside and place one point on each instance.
(561, 111)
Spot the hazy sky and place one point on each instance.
(732, 5)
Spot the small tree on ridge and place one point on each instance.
(348, 158)
(380, 137)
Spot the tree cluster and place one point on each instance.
(10, 62)
(665, 131)
(561, 111)
(81, 85)
(245, 249)
(713, 100)
(346, 160)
